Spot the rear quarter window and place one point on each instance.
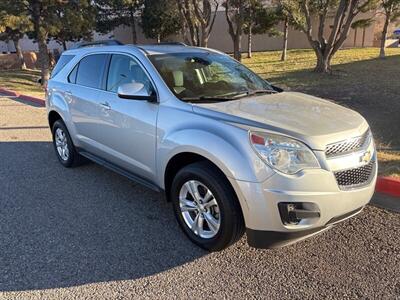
(64, 59)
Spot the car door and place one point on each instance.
(86, 80)
(128, 126)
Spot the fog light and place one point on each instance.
(292, 213)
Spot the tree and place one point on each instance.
(235, 16)
(391, 11)
(198, 17)
(114, 13)
(285, 17)
(259, 20)
(343, 11)
(43, 17)
(361, 24)
(13, 28)
(76, 21)
(160, 18)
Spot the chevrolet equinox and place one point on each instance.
(232, 152)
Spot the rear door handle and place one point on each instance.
(105, 105)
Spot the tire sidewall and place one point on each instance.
(69, 162)
(223, 199)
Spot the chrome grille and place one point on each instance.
(355, 177)
(347, 146)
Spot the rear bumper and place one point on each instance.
(276, 239)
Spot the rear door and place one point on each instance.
(87, 78)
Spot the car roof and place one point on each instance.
(146, 49)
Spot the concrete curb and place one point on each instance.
(388, 185)
(10, 93)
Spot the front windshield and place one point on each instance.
(207, 76)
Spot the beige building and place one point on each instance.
(221, 40)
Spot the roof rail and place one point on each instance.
(170, 44)
(99, 43)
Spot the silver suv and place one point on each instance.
(232, 152)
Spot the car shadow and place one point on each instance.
(65, 227)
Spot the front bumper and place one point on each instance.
(276, 239)
(317, 188)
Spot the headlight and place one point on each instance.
(282, 153)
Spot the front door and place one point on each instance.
(128, 126)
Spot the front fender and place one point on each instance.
(230, 152)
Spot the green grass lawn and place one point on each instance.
(359, 80)
(22, 81)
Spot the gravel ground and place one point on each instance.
(89, 233)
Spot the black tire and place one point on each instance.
(74, 158)
(231, 227)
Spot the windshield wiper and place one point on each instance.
(230, 96)
(254, 92)
(206, 98)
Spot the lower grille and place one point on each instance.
(355, 177)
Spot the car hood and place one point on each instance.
(314, 120)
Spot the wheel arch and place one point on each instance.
(53, 116)
(182, 159)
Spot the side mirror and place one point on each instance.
(135, 91)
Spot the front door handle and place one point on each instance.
(105, 105)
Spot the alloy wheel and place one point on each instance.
(199, 209)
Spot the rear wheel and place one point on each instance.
(65, 149)
(206, 207)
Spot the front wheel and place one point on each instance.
(206, 207)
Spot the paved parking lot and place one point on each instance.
(89, 233)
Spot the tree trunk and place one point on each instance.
(44, 60)
(203, 38)
(237, 47)
(382, 53)
(355, 37)
(285, 39)
(323, 63)
(19, 53)
(249, 39)
(41, 36)
(363, 38)
(64, 44)
(133, 27)
(158, 38)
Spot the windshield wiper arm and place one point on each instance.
(254, 92)
(206, 98)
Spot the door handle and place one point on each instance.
(105, 105)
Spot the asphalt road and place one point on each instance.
(89, 233)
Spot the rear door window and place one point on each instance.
(91, 70)
(64, 59)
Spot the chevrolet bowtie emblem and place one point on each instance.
(366, 157)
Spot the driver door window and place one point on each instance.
(124, 69)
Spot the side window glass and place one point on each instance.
(91, 69)
(124, 69)
(72, 75)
